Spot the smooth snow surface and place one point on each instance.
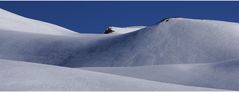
(177, 41)
(123, 30)
(222, 75)
(164, 56)
(29, 76)
(13, 22)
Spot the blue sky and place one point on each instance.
(95, 17)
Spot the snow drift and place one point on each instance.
(182, 51)
(12, 22)
(175, 41)
(221, 75)
(17, 75)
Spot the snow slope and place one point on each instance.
(30, 76)
(46, 49)
(184, 51)
(12, 22)
(123, 30)
(221, 75)
(176, 41)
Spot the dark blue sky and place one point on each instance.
(95, 17)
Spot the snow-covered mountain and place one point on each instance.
(176, 41)
(122, 30)
(12, 22)
(164, 56)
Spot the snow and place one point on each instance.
(178, 41)
(12, 22)
(221, 75)
(17, 75)
(46, 49)
(123, 30)
(164, 56)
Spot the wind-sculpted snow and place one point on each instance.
(176, 41)
(39, 77)
(221, 75)
(12, 22)
(46, 49)
(183, 51)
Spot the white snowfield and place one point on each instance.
(164, 56)
(177, 41)
(123, 30)
(222, 75)
(12, 22)
(30, 76)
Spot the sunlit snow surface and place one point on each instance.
(30, 76)
(12, 22)
(123, 30)
(175, 54)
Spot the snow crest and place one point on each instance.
(176, 41)
(178, 51)
(12, 22)
(123, 30)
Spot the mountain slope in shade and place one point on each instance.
(175, 41)
(12, 22)
(29, 76)
(182, 51)
(46, 49)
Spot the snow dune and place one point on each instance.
(17, 75)
(46, 49)
(221, 75)
(176, 41)
(12, 22)
(164, 56)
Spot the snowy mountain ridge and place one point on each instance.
(164, 43)
(176, 41)
(175, 54)
(12, 22)
(123, 30)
